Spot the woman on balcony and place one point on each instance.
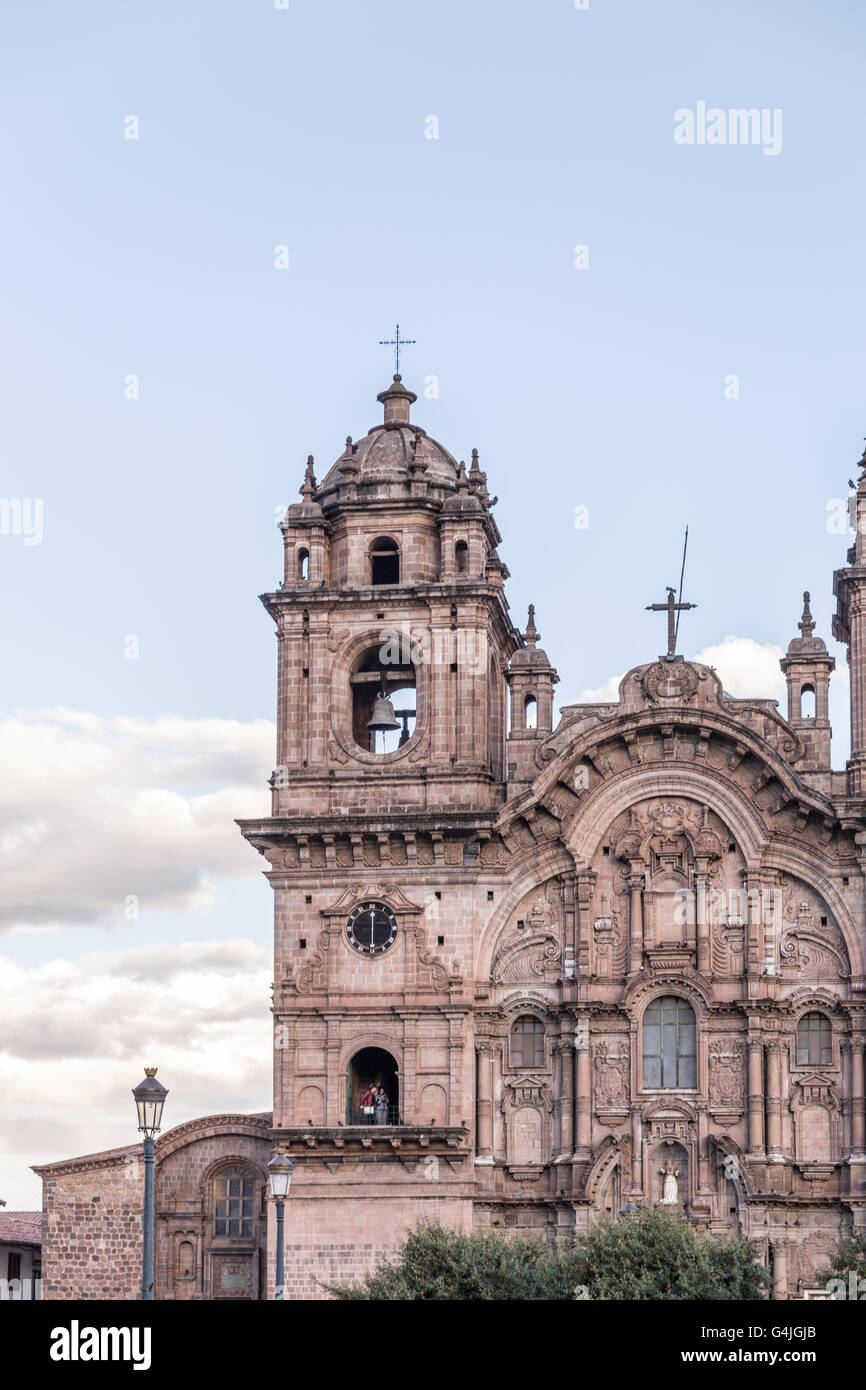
(381, 1106)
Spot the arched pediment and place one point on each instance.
(688, 983)
(742, 775)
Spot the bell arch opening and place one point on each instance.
(384, 561)
(371, 1071)
(384, 699)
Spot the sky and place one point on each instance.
(213, 213)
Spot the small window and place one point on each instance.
(670, 1045)
(384, 561)
(461, 557)
(530, 709)
(527, 1042)
(233, 1203)
(303, 564)
(814, 1041)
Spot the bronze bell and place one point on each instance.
(384, 719)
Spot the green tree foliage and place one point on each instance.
(657, 1254)
(654, 1254)
(848, 1258)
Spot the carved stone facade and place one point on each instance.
(591, 963)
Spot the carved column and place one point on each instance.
(774, 1099)
(565, 1048)
(636, 1156)
(847, 1073)
(569, 922)
(754, 933)
(858, 1113)
(780, 1270)
(585, 890)
(583, 1137)
(702, 925)
(635, 935)
(484, 1102)
(756, 1095)
(457, 1081)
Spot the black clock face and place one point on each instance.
(372, 928)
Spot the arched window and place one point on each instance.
(807, 702)
(814, 1041)
(234, 1190)
(382, 674)
(670, 1059)
(530, 710)
(461, 556)
(303, 564)
(527, 1042)
(384, 561)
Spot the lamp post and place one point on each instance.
(280, 1171)
(149, 1100)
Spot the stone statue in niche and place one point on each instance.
(670, 1184)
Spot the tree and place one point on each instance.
(848, 1258)
(652, 1254)
(656, 1254)
(439, 1263)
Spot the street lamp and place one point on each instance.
(280, 1171)
(149, 1099)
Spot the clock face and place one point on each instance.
(372, 928)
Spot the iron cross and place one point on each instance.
(671, 608)
(396, 343)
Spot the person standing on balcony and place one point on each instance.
(381, 1106)
(368, 1104)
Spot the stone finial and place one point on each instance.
(806, 623)
(308, 488)
(397, 401)
(347, 461)
(478, 479)
(462, 480)
(531, 635)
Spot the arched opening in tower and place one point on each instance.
(372, 1072)
(384, 696)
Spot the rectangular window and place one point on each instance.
(234, 1206)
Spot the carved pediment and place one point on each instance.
(353, 893)
(527, 957)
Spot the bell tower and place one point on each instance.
(849, 626)
(807, 668)
(392, 628)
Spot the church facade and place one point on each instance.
(525, 971)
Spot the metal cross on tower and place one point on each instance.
(673, 608)
(396, 343)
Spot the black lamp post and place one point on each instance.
(280, 1171)
(149, 1100)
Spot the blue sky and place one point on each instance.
(601, 387)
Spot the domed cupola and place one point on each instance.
(394, 461)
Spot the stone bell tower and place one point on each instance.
(807, 668)
(849, 626)
(393, 630)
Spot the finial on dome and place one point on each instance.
(397, 401)
(462, 480)
(308, 488)
(806, 623)
(531, 635)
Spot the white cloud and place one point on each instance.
(96, 811)
(746, 668)
(605, 694)
(76, 1036)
